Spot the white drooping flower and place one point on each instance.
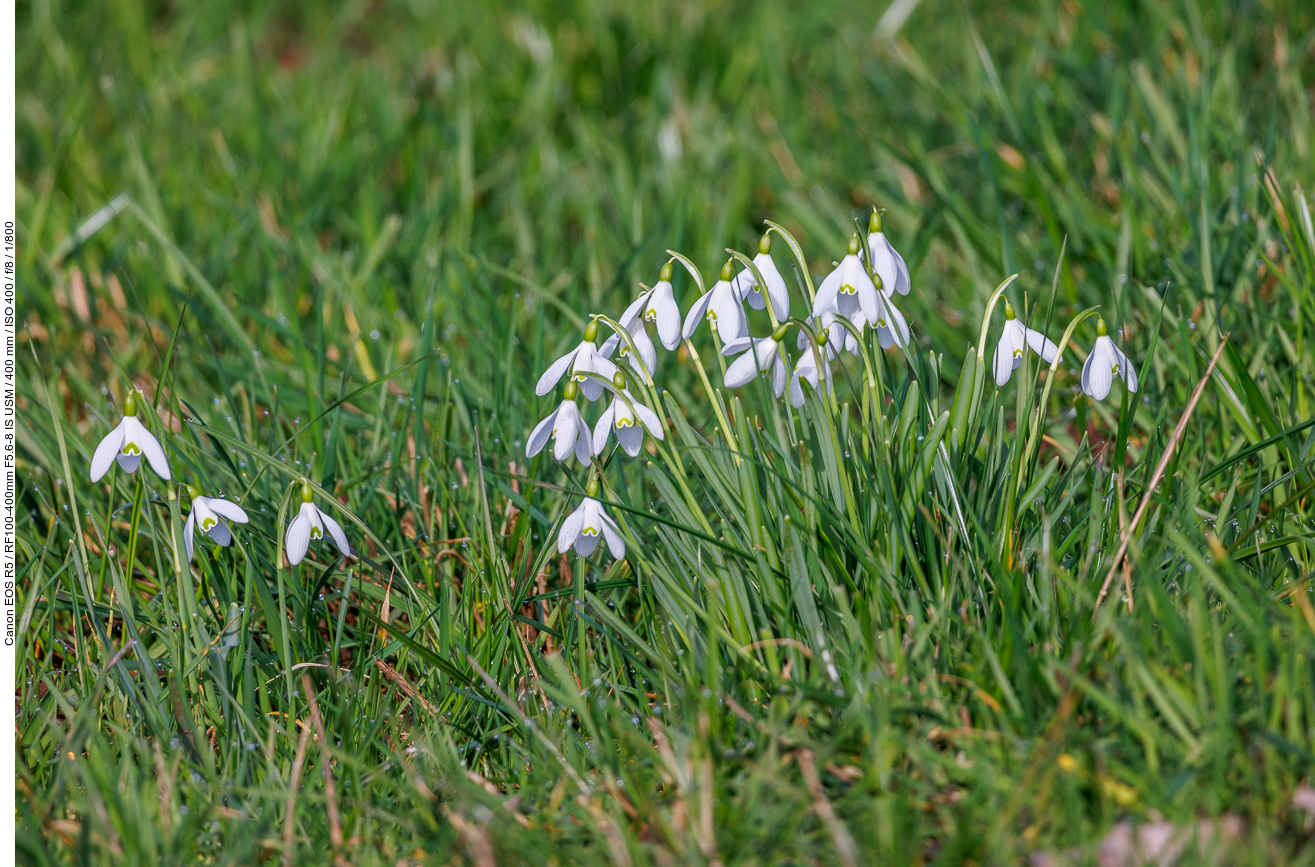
(1014, 340)
(311, 523)
(1105, 362)
(583, 528)
(128, 443)
(721, 307)
(660, 308)
(747, 288)
(892, 330)
(567, 429)
(848, 290)
(886, 260)
(211, 516)
(586, 364)
(806, 370)
(763, 356)
(628, 418)
(632, 321)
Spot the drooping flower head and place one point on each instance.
(1014, 339)
(721, 308)
(311, 523)
(628, 418)
(848, 290)
(1104, 364)
(567, 429)
(886, 260)
(660, 309)
(211, 515)
(587, 524)
(584, 362)
(128, 443)
(747, 288)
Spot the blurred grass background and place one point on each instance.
(318, 195)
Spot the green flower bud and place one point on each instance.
(1100, 327)
(874, 223)
(665, 273)
(130, 402)
(192, 491)
(779, 333)
(1009, 310)
(728, 270)
(591, 331)
(822, 336)
(619, 380)
(854, 245)
(591, 490)
(306, 493)
(765, 243)
(570, 391)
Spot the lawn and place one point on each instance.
(323, 253)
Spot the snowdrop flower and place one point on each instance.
(806, 370)
(764, 355)
(128, 443)
(721, 307)
(628, 417)
(633, 323)
(1014, 339)
(660, 309)
(583, 527)
(566, 427)
(747, 288)
(1104, 363)
(891, 328)
(848, 289)
(585, 364)
(311, 523)
(886, 260)
(211, 514)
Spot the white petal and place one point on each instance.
(744, 368)
(128, 463)
(1101, 361)
(609, 346)
(896, 330)
(541, 434)
(776, 288)
(1006, 351)
(695, 314)
(585, 544)
(647, 353)
(615, 544)
(649, 420)
(154, 454)
(103, 457)
(855, 276)
(335, 531)
(221, 534)
(1129, 372)
(666, 315)
(298, 538)
(188, 529)
(825, 299)
(550, 377)
(1042, 345)
(603, 428)
(231, 511)
(632, 313)
(566, 429)
(780, 375)
(583, 446)
(570, 530)
(631, 439)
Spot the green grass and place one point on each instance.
(350, 239)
